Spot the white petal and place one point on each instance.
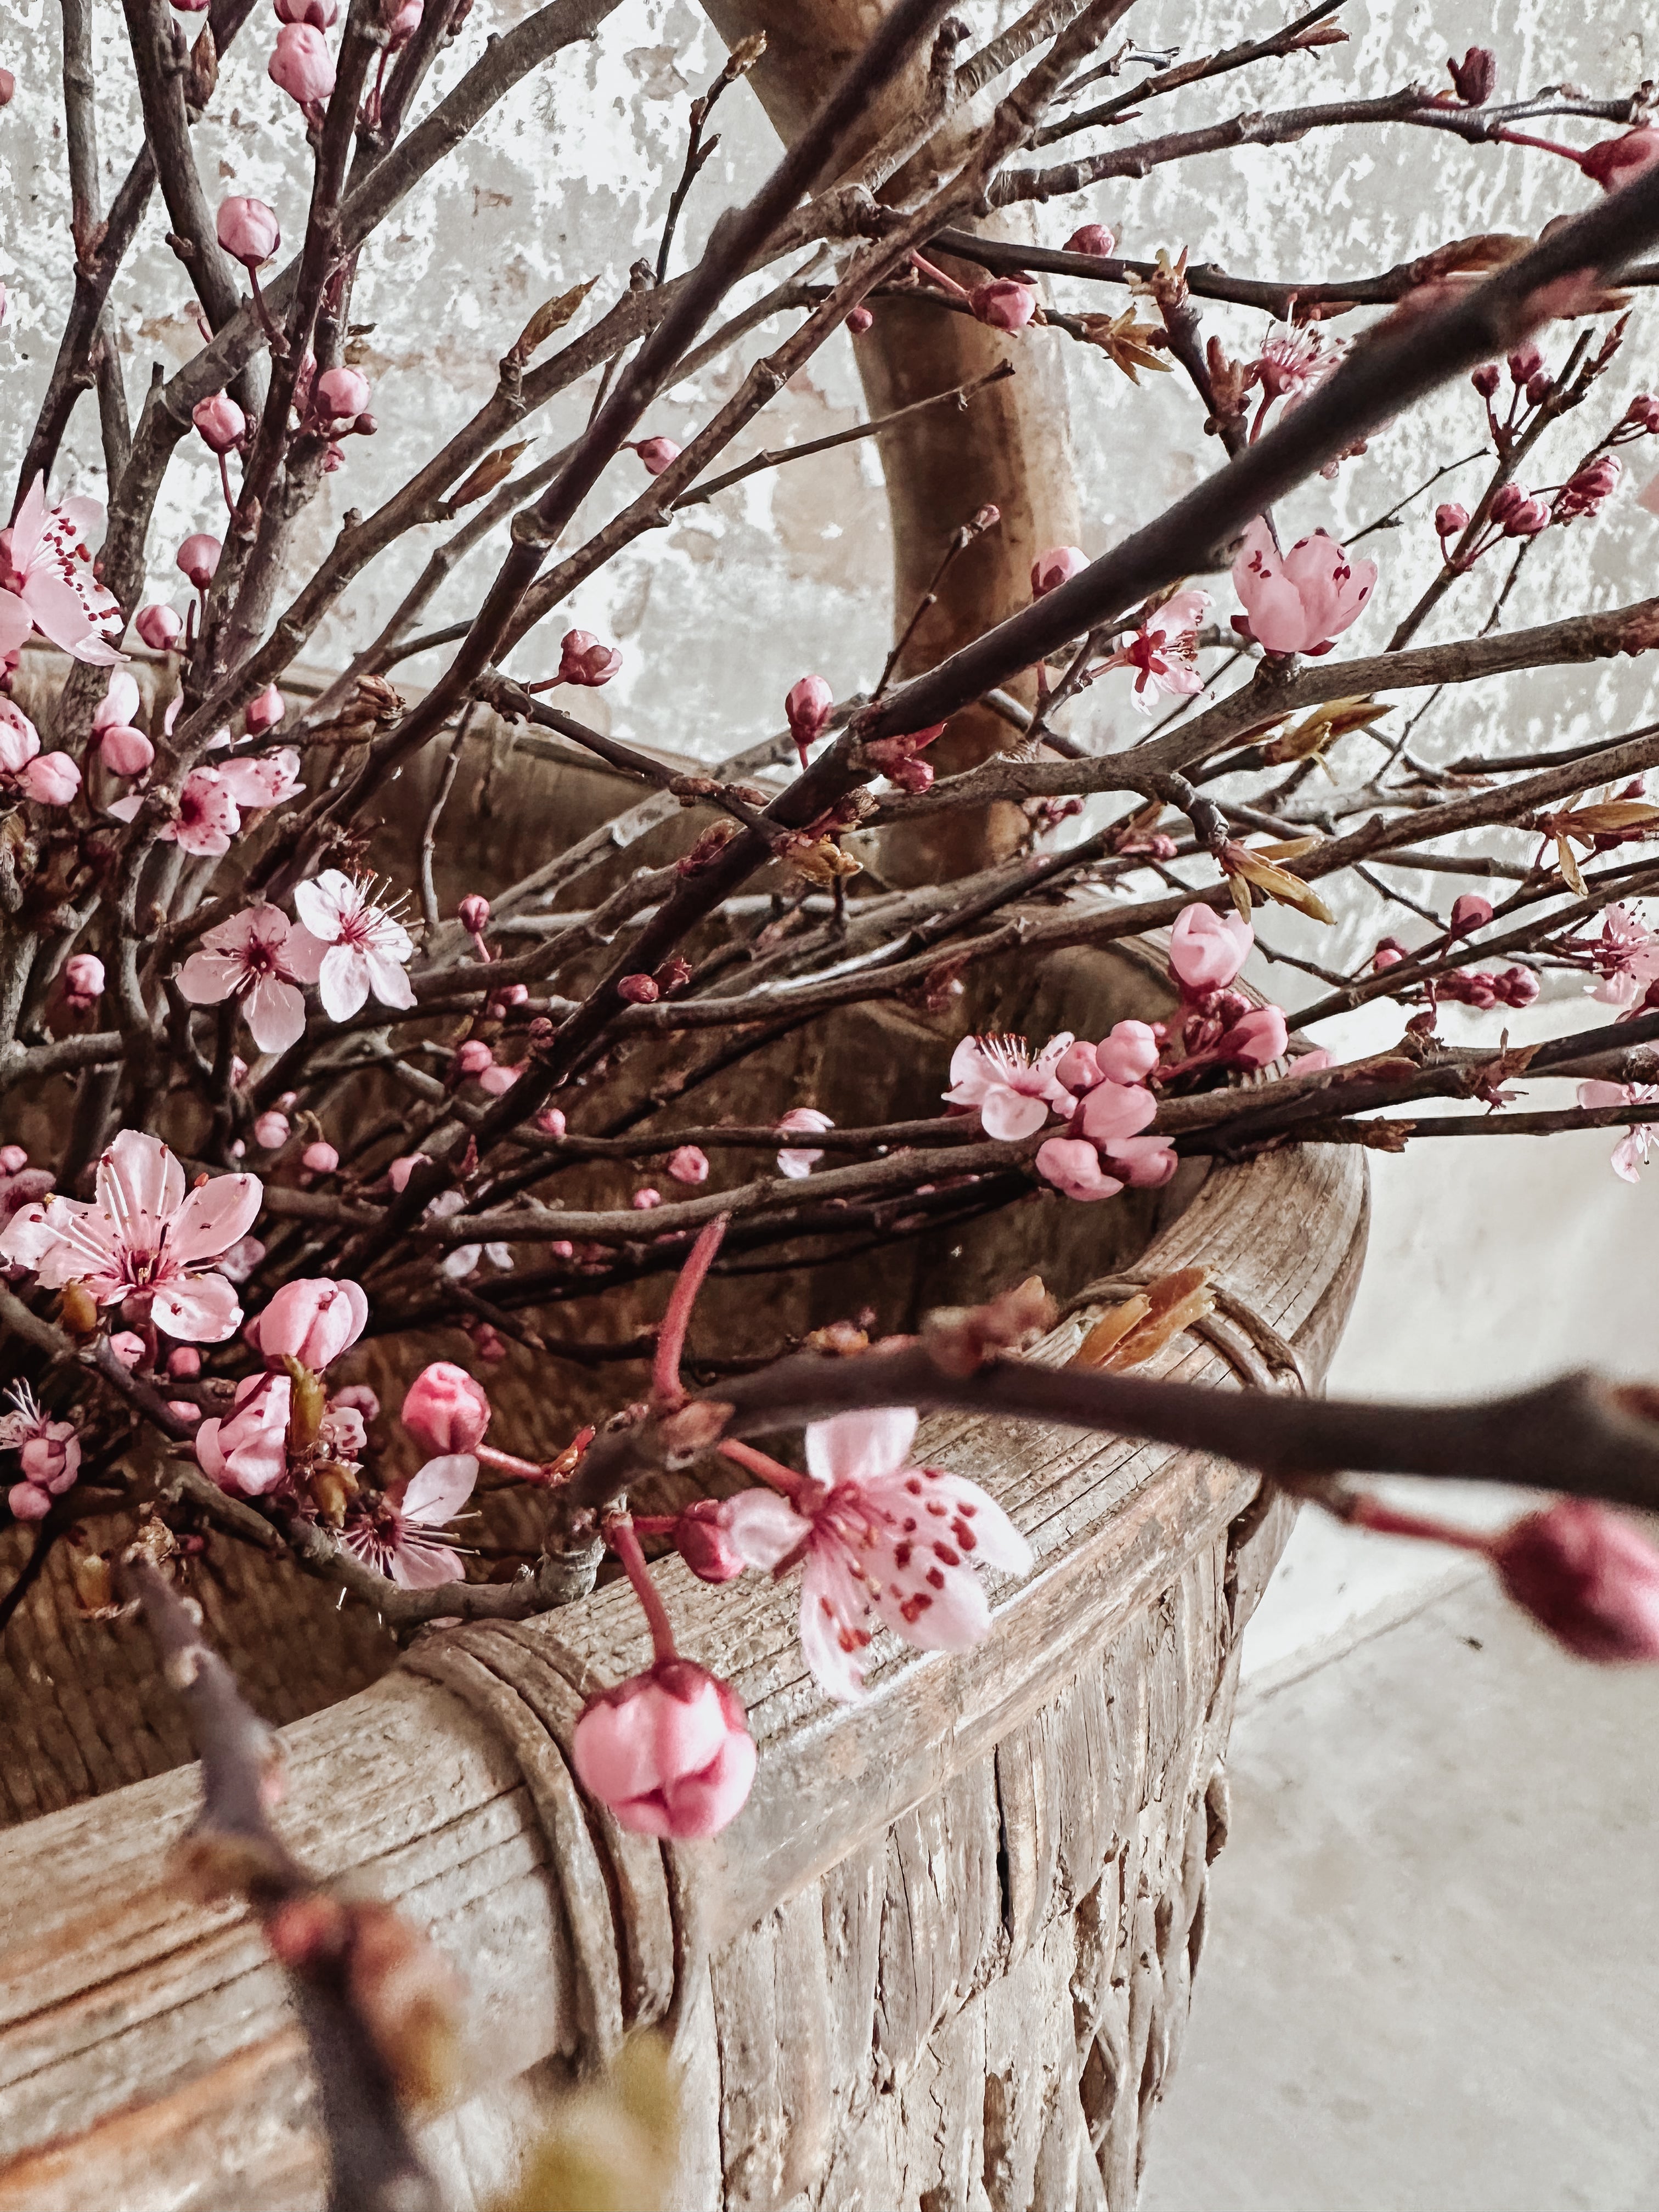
(342, 982)
(765, 1529)
(440, 1488)
(861, 1446)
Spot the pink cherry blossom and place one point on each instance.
(49, 779)
(1629, 1154)
(1115, 1110)
(271, 1129)
(46, 580)
(257, 781)
(260, 957)
(801, 1122)
(1302, 601)
(880, 1535)
(341, 392)
(311, 1320)
(208, 816)
(121, 703)
(1012, 1092)
(1207, 950)
(248, 1449)
(1163, 651)
(1073, 1166)
(1144, 1162)
(247, 230)
(1296, 360)
(83, 980)
(365, 943)
(158, 626)
(688, 1163)
(220, 423)
(396, 1537)
(445, 1410)
(669, 1752)
(1626, 956)
(320, 1156)
(141, 1237)
(1256, 1038)
(301, 64)
(1056, 567)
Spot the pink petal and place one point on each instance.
(200, 1309)
(952, 1618)
(342, 981)
(1005, 1114)
(424, 1567)
(321, 901)
(207, 977)
(860, 1446)
(216, 1215)
(832, 1641)
(59, 614)
(275, 1012)
(388, 982)
(764, 1528)
(15, 623)
(437, 1493)
(703, 1803)
(302, 955)
(137, 1173)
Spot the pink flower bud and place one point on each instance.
(474, 913)
(510, 994)
(1073, 1166)
(808, 706)
(688, 1164)
(398, 1173)
(1474, 76)
(445, 1410)
(1469, 912)
(248, 230)
(1207, 950)
(83, 979)
(159, 626)
(124, 750)
(1004, 303)
(270, 1130)
(1128, 1055)
(356, 1398)
(550, 1121)
(28, 1503)
(669, 1752)
(120, 702)
(1484, 379)
(1256, 1037)
(859, 321)
(321, 14)
(1524, 364)
(50, 779)
(1588, 1576)
(128, 1346)
(1055, 568)
(184, 1363)
(220, 422)
(638, 990)
(1451, 520)
(301, 65)
(265, 712)
(199, 556)
(13, 1159)
(1517, 987)
(1144, 1162)
(1093, 237)
(499, 1079)
(473, 1057)
(312, 1321)
(702, 1539)
(1388, 954)
(8, 88)
(583, 659)
(656, 453)
(333, 459)
(1077, 1070)
(488, 1343)
(1614, 161)
(320, 1156)
(644, 1201)
(341, 391)
(401, 19)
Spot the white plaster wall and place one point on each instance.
(1489, 1263)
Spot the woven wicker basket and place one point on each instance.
(943, 1956)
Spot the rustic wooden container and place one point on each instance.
(943, 1958)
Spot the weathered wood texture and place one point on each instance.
(943, 1956)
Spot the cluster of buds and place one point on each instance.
(1518, 512)
(1218, 1026)
(1484, 988)
(1530, 385)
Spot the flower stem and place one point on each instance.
(769, 1470)
(619, 1534)
(666, 1388)
(524, 1470)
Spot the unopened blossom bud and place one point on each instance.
(550, 1121)
(809, 705)
(341, 391)
(321, 14)
(1056, 567)
(584, 661)
(674, 974)
(486, 1341)
(198, 557)
(220, 422)
(510, 995)
(1474, 76)
(445, 1410)
(1469, 912)
(357, 1398)
(401, 19)
(398, 1173)
(687, 1163)
(1451, 520)
(669, 1752)
(320, 1156)
(702, 1539)
(1526, 519)
(183, 1364)
(1256, 1038)
(8, 88)
(1129, 1055)
(27, 1502)
(13, 1159)
(159, 626)
(302, 66)
(474, 913)
(657, 453)
(1485, 379)
(498, 1079)
(1588, 489)
(1517, 987)
(124, 750)
(1614, 161)
(248, 230)
(1524, 364)
(645, 1200)
(1643, 413)
(859, 321)
(83, 980)
(638, 990)
(1539, 388)
(473, 1057)
(312, 1321)
(128, 1346)
(270, 1130)
(50, 779)
(1588, 1576)
(1092, 238)
(1004, 303)
(265, 712)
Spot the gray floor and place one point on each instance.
(1432, 1979)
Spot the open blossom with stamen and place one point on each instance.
(365, 943)
(208, 816)
(143, 1238)
(50, 1451)
(1012, 1092)
(1626, 958)
(1165, 650)
(878, 1535)
(397, 1537)
(1296, 360)
(1629, 1154)
(46, 580)
(260, 957)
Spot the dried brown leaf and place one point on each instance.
(552, 315)
(493, 470)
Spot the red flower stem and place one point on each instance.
(527, 1470)
(1366, 1510)
(619, 1534)
(769, 1470)
(654, 1524)
(1544, 145)
(947, 284)
(666, 1388)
